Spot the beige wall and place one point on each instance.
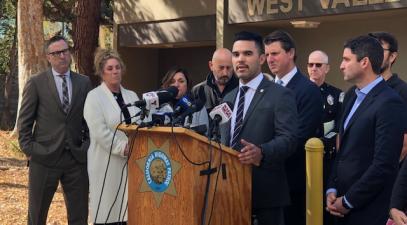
(132, 11)
(330, 37)
(142, 69)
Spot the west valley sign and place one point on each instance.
(242, 11)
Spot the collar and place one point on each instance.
(370, 86)
(55, 73)
(254, 83)
(286, 78)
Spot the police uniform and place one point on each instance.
(332, 98)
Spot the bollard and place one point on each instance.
(314, 175)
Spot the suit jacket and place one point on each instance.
(367, 160)
(310, 111)
(270, 123)
(45, 131)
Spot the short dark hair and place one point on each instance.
(249, 36)
(367, 46)
(388, 38)
(54, 39)
(167, 79)
(287, 42)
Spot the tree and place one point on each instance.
(85, 35)
(30, 35)
(8, 63)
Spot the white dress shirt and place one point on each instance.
(253, 85)
(58, 83)
(286, 78)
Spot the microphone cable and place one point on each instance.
(216, 182)
(125, 165)
(108, 162)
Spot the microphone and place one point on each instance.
(221, 113)
(163, 115)
(153, 99)
(195, 107)
(183, 104)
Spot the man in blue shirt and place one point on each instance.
(371, 137)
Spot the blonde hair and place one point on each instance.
(101, 57)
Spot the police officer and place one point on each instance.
(318, 67)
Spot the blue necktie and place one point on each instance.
(239, 116)
(280, 82)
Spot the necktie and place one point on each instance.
(280, 82)
(239, 116)
(65, 94)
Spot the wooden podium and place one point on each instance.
(165, 188)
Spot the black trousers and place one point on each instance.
(43, 182)
(269, 216)
(295, 213)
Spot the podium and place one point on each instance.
(168, 175)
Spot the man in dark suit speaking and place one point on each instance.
(262, 128)
(371, 137)
(49, 126)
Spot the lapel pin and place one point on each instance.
(261, 90)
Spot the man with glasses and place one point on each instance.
(318, 67)
(390, 48)
(50, 122)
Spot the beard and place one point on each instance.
(385, 66)
(223, 80)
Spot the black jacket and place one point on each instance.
(208, 92)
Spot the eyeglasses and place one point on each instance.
(386, 49)
(58, 53)
(318, 65)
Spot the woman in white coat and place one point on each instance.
(103, 113)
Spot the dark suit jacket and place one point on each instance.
(270, 123)
(399, 194)
(310, 111)
(367, 160)
(44, 129)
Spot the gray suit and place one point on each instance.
(56, 144)
(270, 123)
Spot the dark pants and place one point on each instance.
(295, 213)
(271, 216)
(43, 182)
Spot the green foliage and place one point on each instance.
(7, 30)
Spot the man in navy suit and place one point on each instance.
(263, 128)
(371, 137)
(281, 55)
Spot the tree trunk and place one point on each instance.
(85, 36)
(7, 117)
(30, 33)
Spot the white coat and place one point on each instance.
(102, 114)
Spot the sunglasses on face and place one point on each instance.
(318, 65)
(58, 53)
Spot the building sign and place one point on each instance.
(243, 11)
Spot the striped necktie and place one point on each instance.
(65, 94)
(239, 116)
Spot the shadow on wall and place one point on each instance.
(140, 12)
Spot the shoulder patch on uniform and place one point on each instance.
(330, 99)
(341, 96)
